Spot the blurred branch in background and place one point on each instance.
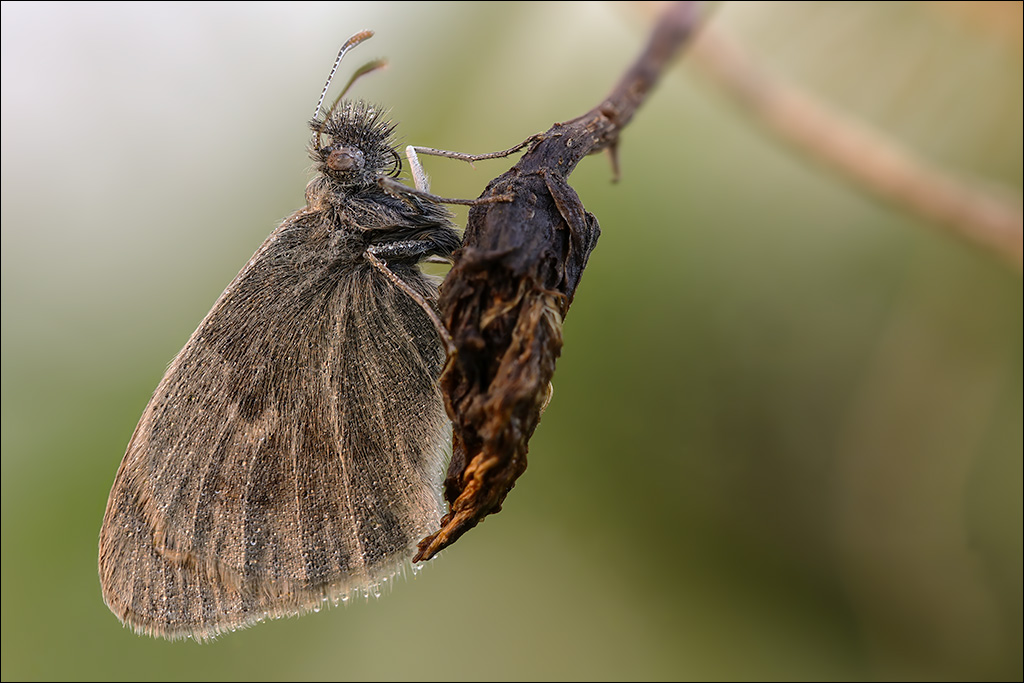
(988, 218)
(903, 100)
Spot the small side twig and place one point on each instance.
(865, 156)
(511, 285)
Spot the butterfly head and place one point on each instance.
(354, 145)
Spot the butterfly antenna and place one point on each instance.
(349, 44)
(361, 71)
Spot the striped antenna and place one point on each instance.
(349, 44)
(361, 71)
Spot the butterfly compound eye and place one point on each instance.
(345, 159)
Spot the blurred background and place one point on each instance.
(785, 440)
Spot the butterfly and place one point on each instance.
(293, 453)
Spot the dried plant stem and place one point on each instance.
(873, 162)
(511, 285)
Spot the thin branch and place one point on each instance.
(865, 156)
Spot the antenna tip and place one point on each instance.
(359, 37)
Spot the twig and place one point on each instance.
(865, 156)
(511, 286)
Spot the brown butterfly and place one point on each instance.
(293, 453)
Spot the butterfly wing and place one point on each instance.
(292, 454)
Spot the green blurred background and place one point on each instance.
(785, 440)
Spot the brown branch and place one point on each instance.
(865, 156)
(511, 286)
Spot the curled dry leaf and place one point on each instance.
(511, 286)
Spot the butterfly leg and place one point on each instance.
(409, 249)
(421, 180)
(412, 153)
(419, 176)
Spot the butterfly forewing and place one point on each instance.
(293, 452)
